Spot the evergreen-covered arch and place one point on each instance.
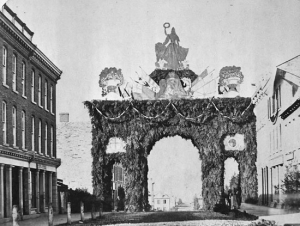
(142, 123)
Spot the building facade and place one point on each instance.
(277, 101)
(28, 163)
(162, 202)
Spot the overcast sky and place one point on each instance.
(82, 37)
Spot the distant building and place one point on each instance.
(118, 180)
(74, 149)
(28, 160)
(163, 202)
(277, 101)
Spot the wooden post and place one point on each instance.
(82, 211)
(100, 211)
(93, 215)
(15, 215)
(69, 221)
(50, 214)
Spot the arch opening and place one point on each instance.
(174, 175)
(232, 183)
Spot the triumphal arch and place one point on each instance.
(166, 105)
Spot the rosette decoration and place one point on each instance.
(230, 78)
(109, 80)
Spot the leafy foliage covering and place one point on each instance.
(82, 195)
(141, 124)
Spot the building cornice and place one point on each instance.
(28, 156)
(25, 42)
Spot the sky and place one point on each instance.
(82, 37)
(180, 164)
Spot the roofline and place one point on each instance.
(287, 61)
(40, 55)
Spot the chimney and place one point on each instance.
(63, 117)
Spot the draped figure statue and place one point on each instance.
(173, 54)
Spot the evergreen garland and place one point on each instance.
(206, 122)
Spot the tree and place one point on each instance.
(234, 181)
(291, 187)
(196, 203)
(179, 201)
(291, 182)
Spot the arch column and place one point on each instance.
(137, 178)
(212, 183)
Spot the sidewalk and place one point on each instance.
(280, 216)
(43, 220)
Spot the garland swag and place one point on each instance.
(206, 122)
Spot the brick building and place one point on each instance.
(28, 163)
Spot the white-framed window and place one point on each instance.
(46, 95)
(4, 68)
(158, 201)
(40, 137)
(40, 90)
(32, 133)
(14, 125)
(46, 139)
(4, 125)
(14, 72)
(32, 85)
(51, 99)
(51, 141)
(165, 201)
(23, 129)
(23, 79)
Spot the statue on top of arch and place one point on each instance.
(172, 56)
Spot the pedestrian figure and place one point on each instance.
(233, 200)
(239, 197)
(229, 198)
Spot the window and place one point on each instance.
(4, 68)
(4, 126)
(32, 134)
(14, 71)
(118, 173)
(40, 90)
(23, 79)
(23, 129)
(165, 201)
(32, 85)
(46, 94)
(280, 137)
(158, 201)
(40, 137)
(51, 99)
(46, 139)
(51, 141)
(14, 125)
